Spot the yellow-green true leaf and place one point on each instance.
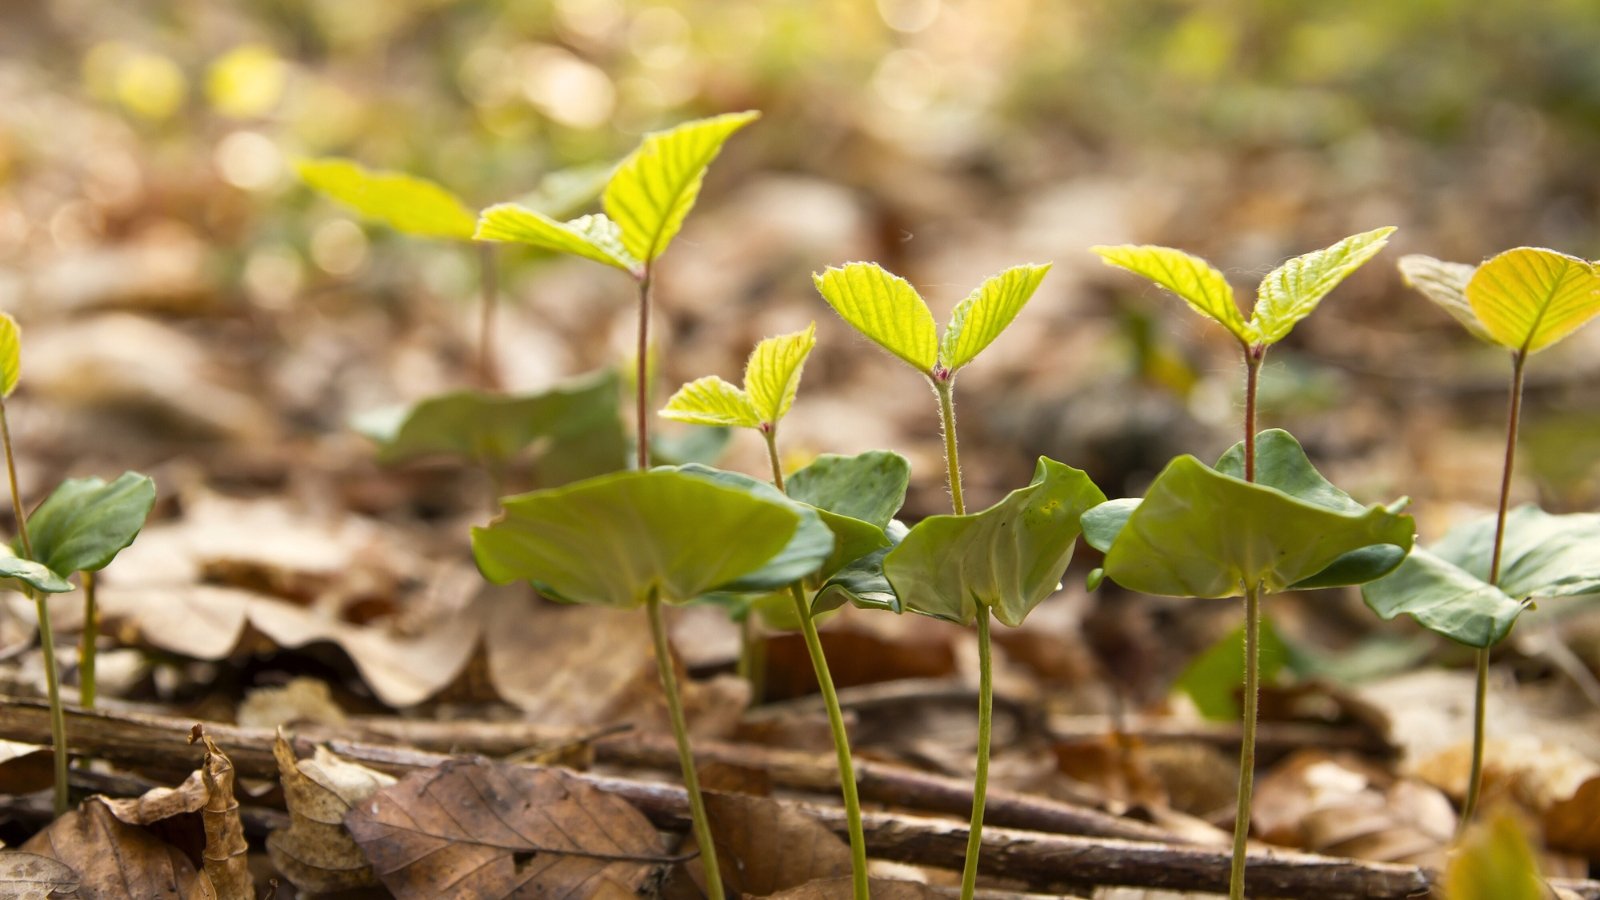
(591, 237)
(1445, 283)
(980, 318)
(10, 354)
(1193, 279)
(403, 202)
(885, 308)
(1530, 298)
(772, 375)
(712, 401)
(1291, 291)
(1494, 862)
(656, 186)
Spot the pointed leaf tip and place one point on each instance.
(399, 200)
(986, 312)
(653, 189)
(1292, 291)
(772, 374)
(1529, 298)
(1193, 279)
(885, 308)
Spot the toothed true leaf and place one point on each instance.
(403, 202)
(591, 237)
(1290, 292)
(1193, 279)
(1529, 298)
(712, 401)
(885, 308)
(980, 318)
(772, 375)
(1444, 283)
(10, 354)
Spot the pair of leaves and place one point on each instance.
(646, 200)
(495, 428)
(1525, 299)
(1206, 532)
(771, 379)
(1008, 558)
(889, 312)
(81, 527)
(1446, 587)
(1288, 294)
(619, 539)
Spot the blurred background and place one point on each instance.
(180, 285)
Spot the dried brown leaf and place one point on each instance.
(29, 876)
(24, 767)
(471, 828)
(315, 853)
(1553, 782)
(224, 858)
(841, 889)
(159, 804)
(118, 861)
(764, 848)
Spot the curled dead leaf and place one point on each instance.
(118, 861)
(315, 853)
(224, 858)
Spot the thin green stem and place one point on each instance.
(1481, 694)
(86, 649)
(489, 286)
(642, 404)
(47, 640)
(680, 733)
(830, 698)
(952, 458)
(980, 776)
(1247, 746)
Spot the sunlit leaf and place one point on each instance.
(86, 522)
(10, 354)
(869, 486)
(490, 427)
(1200, 533)
(653, 189)
(591, 237)
(772, 376)
(1445, 599)
(33, 574)
(615, 539)
(1494, 862)
(1190, 277)
(1530, 298)
(1009, 557)
(1211, 680)
(1445, 283)
(711, 401)
(980, 318)
(808, 548)
(1290, 292)
(403, 202)
(885, 308)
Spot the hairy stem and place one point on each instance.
(1481, 694)
(1247, 746)
(952, 458)
(830, 699)
(86, 649)
(980, 776)
(47, 640)
(1253, 357)
(489, 286)
(680, 733)
(642, 404)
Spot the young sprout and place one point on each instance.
(1004, 560)
(1287, 295)
(1524, 300)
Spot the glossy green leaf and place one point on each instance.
(1444, 283)
(1543, 555)
(614, 540)
(808, 548)
(591, 237)
(10, 354)
(772, 375)
(1290, 292)
(1200, 533)
(653, 189)
(1445, 599)
(1495, 861)
(885, 308)
(869, 486)
(403, 202)
(489, 427)
(86, 522)
(1530, 298)
(1103, 523)
(1282, 463)
(980, 318)
(1212, 680)
(32, 574)
(862, 582)
(711, 401)
(1193, 279)
(1009, 557)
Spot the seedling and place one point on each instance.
(646, 200)
(1215, 532)
(854, 496)
(1524, 300)
(639, 538)
(1005, 559)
